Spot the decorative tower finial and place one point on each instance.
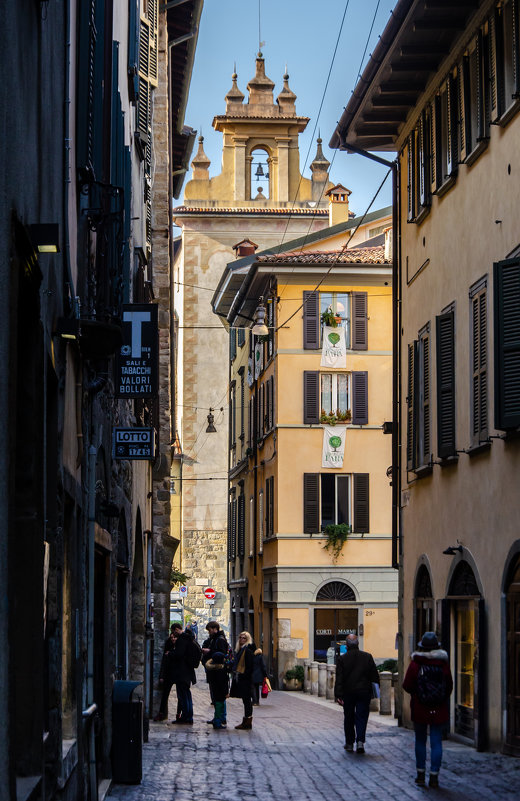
(234, 97)
(201, 162)
(286, 99)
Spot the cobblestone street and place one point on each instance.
(295, 752)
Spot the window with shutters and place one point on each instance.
(241, 525)
(443, 140)
(479, 363)
(242, 404)
(351, 314)
(345, 395)
(232, 344)
(473, 99)
(418, 402)
(251, 526)
(419, 165)
(232, 527)
(241, 337)
(232, 415)
(504, 52)
(446, 384)
(335, 498)
(507, 344)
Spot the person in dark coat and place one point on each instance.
(435, 715)
(243, 675)
(259, 674)
(183, 674)
(219, 683)
(166, 677)
(216, 641)
(355, 673)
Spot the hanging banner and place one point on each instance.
(259, 358)
(250, 376)
(137, 363)
(334, 348)
(333, 446)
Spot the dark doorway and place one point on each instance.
(513, 662)
(423, 603)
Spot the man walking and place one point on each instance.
(355, 673)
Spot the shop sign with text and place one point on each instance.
(134, 443)
(137, 363)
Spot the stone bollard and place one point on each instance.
(331, 681)
(314, 678)
(398, 696)
(322, 679)
(306, 675)
(385, 701)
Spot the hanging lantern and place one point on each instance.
(211, 420)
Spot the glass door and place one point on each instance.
(331, 627)
(465, 654)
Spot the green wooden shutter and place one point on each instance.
(87, 36)
(361, 503)
(437, 170)
(311, 503)
(446, 384)
(410, 401)
(411, 178)
(496, 64)
(507, 344)
(360, 398)
(359, 322)
(311, 396)
(464, 106)
(451, 124)
(479, 394)
(311, 320)
(480, 133)
(424, 400)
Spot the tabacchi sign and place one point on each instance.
(137, 364)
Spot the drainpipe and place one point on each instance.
(88, 713)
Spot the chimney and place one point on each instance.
(338, 204)
(245, 248)
(388, 243)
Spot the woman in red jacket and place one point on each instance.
(429, 682)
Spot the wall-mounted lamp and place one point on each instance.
(67, 328)
(453, 549)
(388, 427)
(211, 420)
(45, 237)
(260, 328)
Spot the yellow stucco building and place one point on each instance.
(296, 597)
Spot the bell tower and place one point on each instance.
(261, 132)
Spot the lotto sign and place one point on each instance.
(209, 593)
(133, 443)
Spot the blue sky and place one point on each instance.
(303, 35)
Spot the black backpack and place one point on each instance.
(431, 685)
(193, 653)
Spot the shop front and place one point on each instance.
(333, 622)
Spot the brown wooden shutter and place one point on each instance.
(311, 396)
(360, 398)
(311, 320)
(410, 400)
(446, 384)
(424, 445)
(411, 182)
(481, 91)
(241, 525)
(270, 506)
(311, 503)
(361, 503)
(359, 337)
(507, 344)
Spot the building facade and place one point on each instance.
(309, 520)
(80, 521)
(454, 124)
(260, 141)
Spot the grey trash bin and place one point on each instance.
(127, 733)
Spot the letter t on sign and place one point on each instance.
(137, 319)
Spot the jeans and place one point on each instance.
(185, 700)
(356, 707)
(220, 714)
(436, 731)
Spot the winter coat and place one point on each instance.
(259, 669)
(181, 672)
(420, 712)
(218, 680)
(247, 674)
(217, 642)
(355, 673)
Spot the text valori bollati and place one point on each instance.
(137, 362)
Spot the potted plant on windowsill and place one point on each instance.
(329, 318)
(331, 418)
(293, 679)
(337, 534)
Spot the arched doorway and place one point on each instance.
(513, 660)
(332, 621)
(466, 641)
(423, 603)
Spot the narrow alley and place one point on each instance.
(295, 753)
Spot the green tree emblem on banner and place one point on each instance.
(335, 443)
(333, 338)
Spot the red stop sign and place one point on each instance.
(210, 593)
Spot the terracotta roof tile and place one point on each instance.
(374, 255)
